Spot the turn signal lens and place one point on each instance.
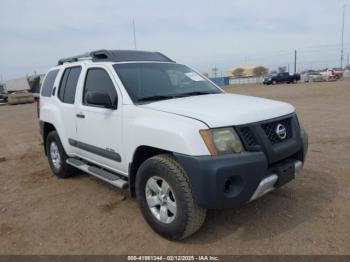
(208, 140)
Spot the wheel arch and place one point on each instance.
(141, 154)
(46, 128)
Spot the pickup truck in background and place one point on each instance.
(281, 78)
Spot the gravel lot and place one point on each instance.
(40, 214)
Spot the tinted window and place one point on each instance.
(147, 80)
(46, 89)
(68, 84)
(98, 80)
(63, 82)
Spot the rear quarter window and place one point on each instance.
(46, 89)
(68, 85)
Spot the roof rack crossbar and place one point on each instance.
(74, 58)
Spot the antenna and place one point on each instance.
(133, 27)
(342, 40)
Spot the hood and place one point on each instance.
(219, 110)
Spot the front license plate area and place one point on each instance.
(285, 173)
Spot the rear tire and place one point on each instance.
(57, 156)
(166, 199)
(274, 82)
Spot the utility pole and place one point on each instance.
(215, 71)
(133, 27)
(342, 40)
(295, 61)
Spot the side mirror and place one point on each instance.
(99, 99)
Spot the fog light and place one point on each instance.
(233, 186)
(228, 186)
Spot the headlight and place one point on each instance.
(222, 141)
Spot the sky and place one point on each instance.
(203, 34)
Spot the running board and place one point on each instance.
(100, 173)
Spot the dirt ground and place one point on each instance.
(40, 214)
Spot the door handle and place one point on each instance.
(80, 115)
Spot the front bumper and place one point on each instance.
(268, 183)
(231, 180)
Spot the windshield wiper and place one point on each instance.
(164, 97)
(196, 93)
(154, 98)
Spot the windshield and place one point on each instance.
(158, 81)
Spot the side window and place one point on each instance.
(46, 89)
(98, 80)
(62, 85)
(68, 85)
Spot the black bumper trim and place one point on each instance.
(208, 175)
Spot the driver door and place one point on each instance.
(99, 129)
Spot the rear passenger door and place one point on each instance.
(66, 99)
(99, 128)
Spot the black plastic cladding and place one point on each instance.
(119, 56)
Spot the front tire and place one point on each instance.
(57, 156)
(166, 199)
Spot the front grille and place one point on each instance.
(248, 137)
(270, 130)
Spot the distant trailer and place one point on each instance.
(16, 91)
(18, 84)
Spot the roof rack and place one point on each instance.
(74, 58)
(117, 56)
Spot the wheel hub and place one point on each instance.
(160, 199)
(55, 155)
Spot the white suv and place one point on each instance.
(179, 144)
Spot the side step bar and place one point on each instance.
(102, 174)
